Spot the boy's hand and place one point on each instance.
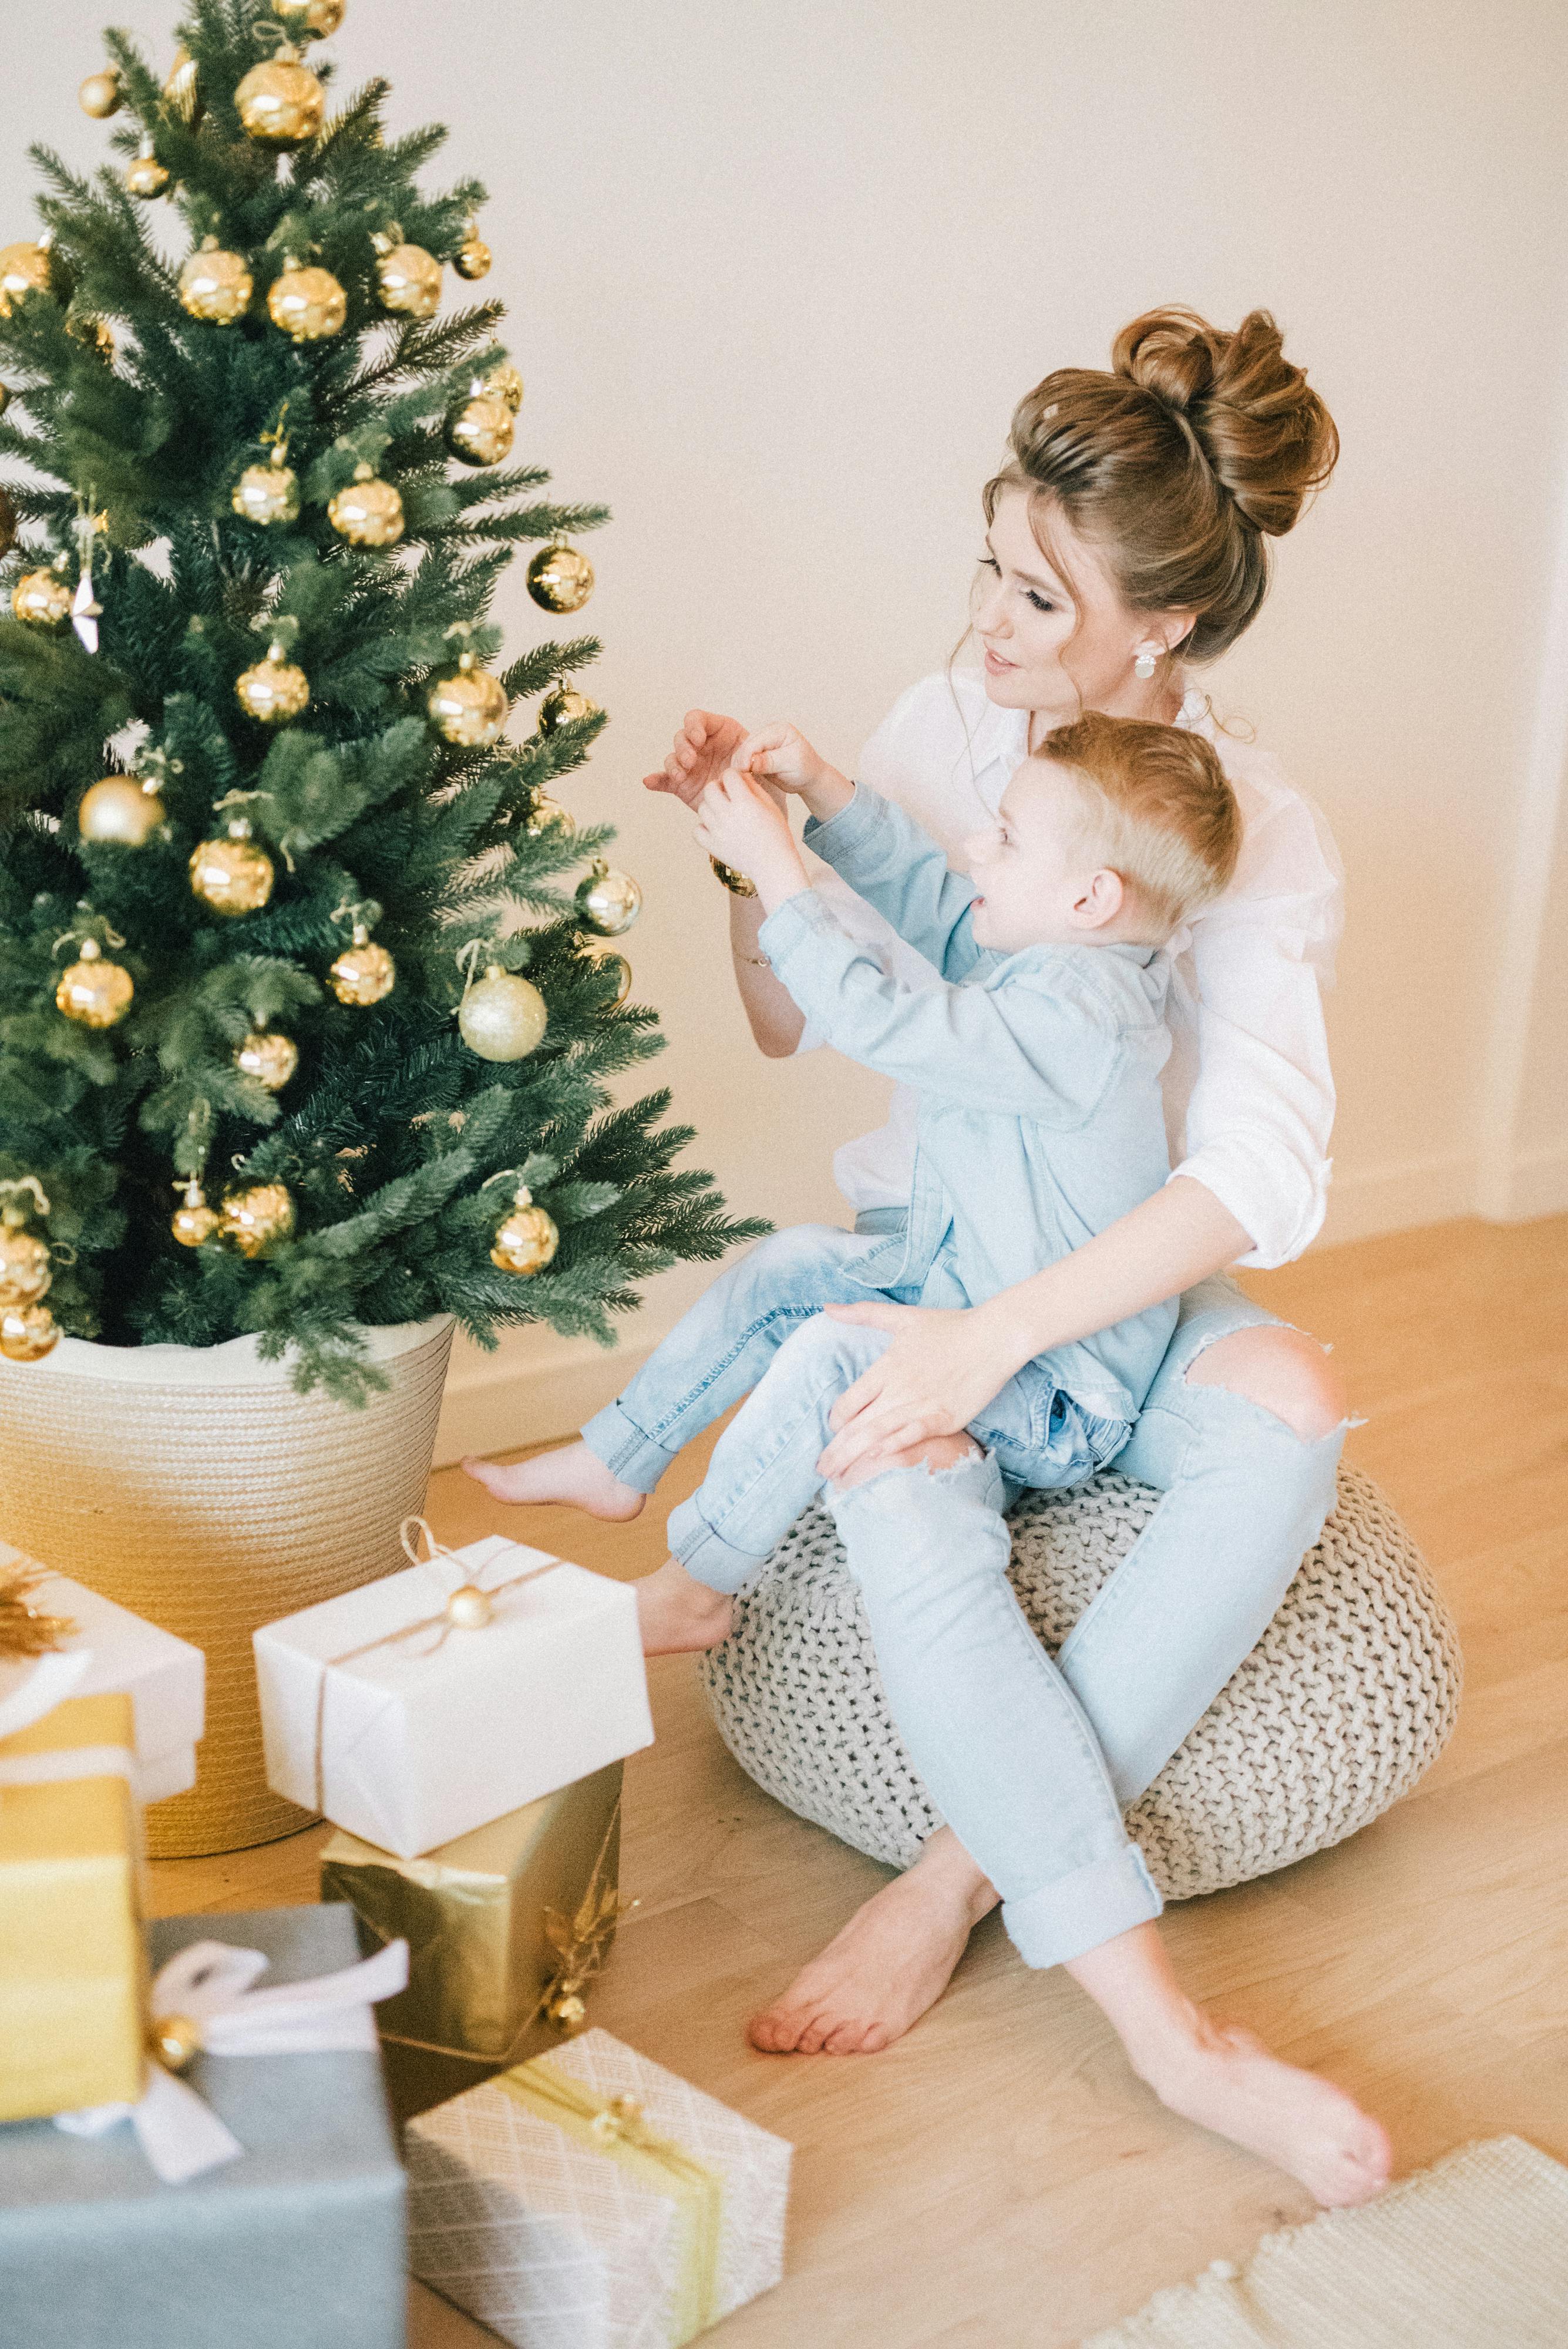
(741, 824)
(781, 756)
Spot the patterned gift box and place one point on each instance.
(591, 2200)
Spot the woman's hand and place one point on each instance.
(781, 756)
(741, 825)
(705, 745)
(941, 1370)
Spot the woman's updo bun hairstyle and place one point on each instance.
(1178, 464)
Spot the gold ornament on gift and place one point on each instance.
(193, 1222)
(526, 1238)
(368, 512)
(268, 1056)
(607, 902)
(234, 875)
(364, 972)
(308, 303)
(184, 88)
(94, 992)
(582, 1941)
(145, 176)
(280, 103)
(501, 1017)
(8, 525)
(473, 255)
(273, 690)
(408, 278)
(216, 286)
(469, 708)
(560, 579)
(309, 20)
(267, 493)
(481, 431)
(254, 1218)
(502, 382)
(23, 269)
(101, 95)
(120, 809)
(41, 599)
(565, 706)
(27, 1629)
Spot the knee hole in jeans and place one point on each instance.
(1283, 1371)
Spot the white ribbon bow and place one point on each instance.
(209, 1984)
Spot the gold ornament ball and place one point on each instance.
(546, 816)
(100, 95)
(563, 706)
(310, 20)
(253, 1219)
(281, 103)
(526, 1241)
(502, 382)
(216, 286)
(25, 1269)
(174, 2040)
(273, 691)
(93, 992)
(363, 973)
(408, 279)
(567, 2011)
(184, 88)
(308, 303)
(41, 598)
(23, 269)
(145, 176)
(368, 513)
(560, 579)
(119, 809)
(267, 493)
(608, 902)
(27, 1332)
(271, 1059)
(469, 708)
(602, 955)
(469, 1608)
(473, 258)
(480, 432)
(233, 875)
(193, 1222)
(501, 1017)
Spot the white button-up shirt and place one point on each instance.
(1249, 1098)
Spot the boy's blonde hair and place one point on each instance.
(1156, 807)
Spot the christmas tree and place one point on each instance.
(270, 877)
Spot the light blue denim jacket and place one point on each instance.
(1040, 1120)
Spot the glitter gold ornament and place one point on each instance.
(501, 1017)
(101, 94)
(23, 269)
(560, 579)
(145, 176)
(119, 809)
(42, 598)
(526, 1240)
(268, 1057)
(93, 992)
(546, 816)
(368, 513)
(216, 286)
(253, 1219)
(8, 525)
(604, 956)
(231, 875)
(469, 708)
(473, 255)
(502, 382)
(481, 431)
(26, 1271)
(565, 706)
(27, 1332)
(267, 493)
(193, 1221)
(408, 278)
(308, 303)
(310, 20)
(280, 102)
(364, 972)
(607, 902)
(184, 88)
(272, 691)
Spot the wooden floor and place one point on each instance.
(1000, 2177)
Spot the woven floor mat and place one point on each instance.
(1470, 2254)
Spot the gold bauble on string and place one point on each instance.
(100, 95)
(27, 1269)
(608, 903)
(254, 1218)
(308, 303)
(364, 972)
(183, 87)
(602, 955)
(122, 810)
(565, 706)
(272, 691)
(469, 708)
(546, 816)
(23, 269)
(145, 176)
(309, 20)
(368, 513)
(474, 256)
(481, 431)
(41, 598)
(280, 102)
(27, 1332)
(408, 278)
(234, 875)
(502, 382)
(267, 493)
(560, 579)
(269, 1057)
(216, 286)
(501, 1017)
(526, 1240)
(93, 992)
(193, 1221)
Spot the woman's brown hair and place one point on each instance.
(1178, 464)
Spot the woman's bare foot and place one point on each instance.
(1226, 2079)
(573, 1474)
(891, 1961)
(679, 1614)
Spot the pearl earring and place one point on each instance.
(1145, 663)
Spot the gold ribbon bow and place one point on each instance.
(617, 2128)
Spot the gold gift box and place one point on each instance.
(490, 1919)
(72, 1967)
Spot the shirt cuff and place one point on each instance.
(798, 919)
(843, 832)
(1279, 1203)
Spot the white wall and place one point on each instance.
(777, 275)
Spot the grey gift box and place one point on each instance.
(299, 2244)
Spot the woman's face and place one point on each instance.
(1061, 647)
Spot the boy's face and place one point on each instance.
(1034, 868)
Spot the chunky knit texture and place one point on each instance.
(1347, 1699)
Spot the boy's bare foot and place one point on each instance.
(573, 1474)
(1226, 2079)
(891, 1961)
(679, 1614)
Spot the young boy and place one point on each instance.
(1035, 1051)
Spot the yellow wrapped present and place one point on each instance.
(71, 1959)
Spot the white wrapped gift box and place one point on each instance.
(408, 1729)
(165, 1677)
(560, 2241)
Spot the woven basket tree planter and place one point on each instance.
(193, 1486)
(1349, 1696)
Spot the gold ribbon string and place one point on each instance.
(441, 1625)
(616, 2127)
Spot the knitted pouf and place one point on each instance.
(1348, 1697)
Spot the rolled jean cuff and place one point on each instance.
(706, 1555)
(1077, 1912)
(625, 1450)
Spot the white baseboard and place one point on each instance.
(1366, 1202)
(1532, 1182)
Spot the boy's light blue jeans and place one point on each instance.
(1029, 1761)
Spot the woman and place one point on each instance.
(1127, 538)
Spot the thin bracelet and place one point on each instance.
(758, 962)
